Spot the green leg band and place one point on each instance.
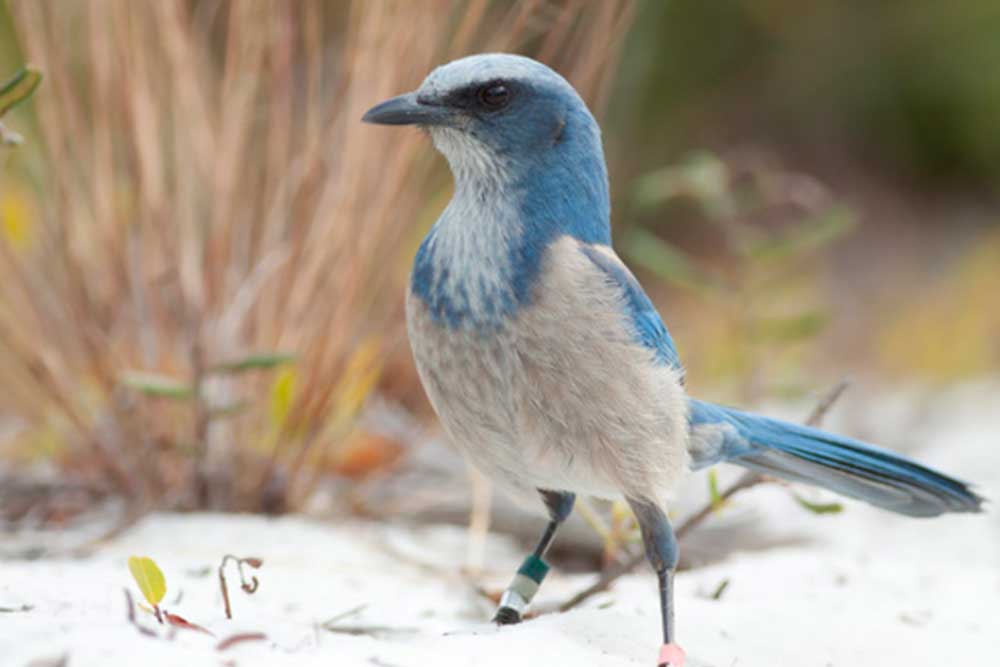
(534, 568)
(524, 585)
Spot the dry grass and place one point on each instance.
(204, 192)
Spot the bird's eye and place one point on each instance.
(494, 96)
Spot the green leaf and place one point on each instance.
(666, 261)
(713, 491)
(701, 176)
(162, 386)
(255, 362)
(19, 89)
(149, 578)
(818, 508)
(812, 234)
(791, 329)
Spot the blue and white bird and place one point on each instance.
(547, 364)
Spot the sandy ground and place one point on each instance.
(862, 588)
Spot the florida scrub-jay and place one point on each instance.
(545, 361)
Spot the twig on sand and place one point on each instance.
(746, 481)
(819, 414)
(368, 630)
(336, 626)
(241, 638)
(344, 614)
(131, 617)
(249, 586)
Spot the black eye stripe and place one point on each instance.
(472, 96)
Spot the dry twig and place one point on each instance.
(249, 587)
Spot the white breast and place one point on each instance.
(561, 397)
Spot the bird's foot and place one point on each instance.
(671, 655)
(515, 600)
(507, 616)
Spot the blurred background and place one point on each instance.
(203, 252)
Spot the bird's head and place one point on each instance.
(496, 112)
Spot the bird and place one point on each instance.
(548, 366)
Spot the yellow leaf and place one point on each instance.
(16, 220)
(149, 578)
(282, 395)
(358, 380)
(44, 443)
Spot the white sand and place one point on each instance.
(865, 588)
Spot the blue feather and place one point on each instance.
(559, 192)
(650, 331)
(844, 465)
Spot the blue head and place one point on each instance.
(529, 168)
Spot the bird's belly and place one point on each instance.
(537, 403)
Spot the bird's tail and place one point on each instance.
(803, 454)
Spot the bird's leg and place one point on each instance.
(661, 551)
(522, 588)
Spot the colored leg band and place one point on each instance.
(534, 568)
(525, 584)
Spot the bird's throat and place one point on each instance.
(465, 270)
(479, 264)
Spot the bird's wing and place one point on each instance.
(650, 330)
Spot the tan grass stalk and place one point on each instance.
(205, 192)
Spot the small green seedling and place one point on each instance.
(153, 586)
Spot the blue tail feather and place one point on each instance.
(844, 465)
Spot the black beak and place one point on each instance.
(406, 110)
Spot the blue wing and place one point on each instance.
(649, 328)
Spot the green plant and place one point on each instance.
(765, 225)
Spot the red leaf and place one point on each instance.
(229, 642)
(184, 624)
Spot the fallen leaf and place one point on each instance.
(229, 642)
(149, 578)
(184, 624)
(364, 454)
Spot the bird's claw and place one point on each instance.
(507, 616)
(671, 655)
